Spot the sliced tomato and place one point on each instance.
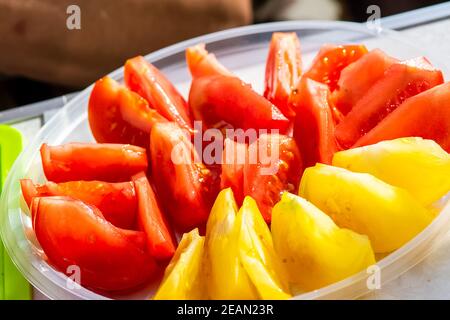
(220, 100)
(116, 201)
(357, 78)
(118, 115)
(145, 79)
(273, 166)
(314, 123)
(74, 234)
(331, 60)
(401, 81)
(92, 161)
(234, 157)
(186, 188)
(283, 69)
(160, 240)
(425, 115)
(201, 63)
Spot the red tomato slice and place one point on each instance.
(72, 233)
(145, 79)
(314, 125)
(401, 81)
(273, 166)
(118, 115)
(186, 188)
(116, 201)
(160, 241)
(331, 60)
(201, 63)
(283, 69)
(233, 162)
(92, 161)
(357, 78)
(220, 100)
(425, 115)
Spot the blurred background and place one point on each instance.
(41, 58)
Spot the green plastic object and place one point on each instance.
(13, 285)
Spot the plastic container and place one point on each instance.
(244, 51)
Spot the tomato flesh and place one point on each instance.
(160, 240)
(201, 63)
(331, 60)
(72, 233)
(185, 186)
(145, 79)
(400, 82)
(283, 69)
(220, 100)
(314, 123)
(425, 115)
(92, 161)
(116, 201)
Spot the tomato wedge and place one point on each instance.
(92, 161)
(220, 100)
(116, 201)
(283, 69)
(274, 165)
(145, 79)
(160, 241)
(118, 115)
(314, 125)
(183, 184)
(72, 233)
(401, 81)
(357, 78)
(331, 60)
(425, 115)
(234, 157)
(201, 63)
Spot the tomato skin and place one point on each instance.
(73, 233)
(357, 78)
(218, 99)
(201, 63)
(283, 69)
(400, 82)
(331, 60)
(425, 115)
(185, 186)
(265, 182)
(116, 201)
(92, 161)
(160, 240)
(118, 115)
(145, 79)
(314, 123)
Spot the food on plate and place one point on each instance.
(184, 276)
(401, 81)
(92, 161)
(314, 124)
(118, 115)
(234, 157)
(202, 63)
(116, 201)
(331, 60)
(283, 69)
(419, 166)
(358, 77)
(314, 250)
(161, 242)
(185, 186)
(425, 115)
(145, 79)
(76, 235)
(388, 215)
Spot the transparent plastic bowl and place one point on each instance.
(244, 51)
